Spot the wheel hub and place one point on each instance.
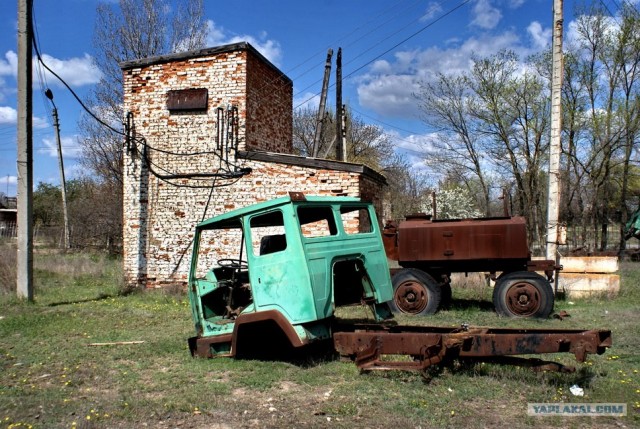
(523, 299)
(410, 297)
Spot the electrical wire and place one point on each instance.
(146, 146)
(374, 45)
(42, 78)
(141, 141)
(406, 39)
(386, 13)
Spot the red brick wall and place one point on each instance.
(269, 109)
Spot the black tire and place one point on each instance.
(523, 294)
(414, 292)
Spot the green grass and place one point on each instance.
(51, 377)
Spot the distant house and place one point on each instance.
(8, 216)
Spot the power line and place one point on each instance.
(406, 39)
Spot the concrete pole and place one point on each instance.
(556, 131)
(323, 103)
(25, 154)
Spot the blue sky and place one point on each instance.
(389, 47)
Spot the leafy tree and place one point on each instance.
(458, 151)
(94, 221)
(493, 120)
(47, 204)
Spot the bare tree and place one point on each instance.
(445, 107)
(304, 127)
(128, 30)
(607, 56)
(369, 145)
(366, 144)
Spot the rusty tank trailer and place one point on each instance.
(430, 250)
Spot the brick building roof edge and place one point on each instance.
(240, 46)
(289, 159)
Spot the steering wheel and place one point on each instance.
(237, 264)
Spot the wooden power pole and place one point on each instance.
(63, 182)
(323, 104)
(24, 264)
(556, 132)
(339, 109)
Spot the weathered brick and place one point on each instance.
(160, 215)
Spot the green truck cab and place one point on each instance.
(272, 274)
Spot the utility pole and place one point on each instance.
(339, 148)
(343, 135)
(556, 131)
(25, 153)
(323, 103)
(63, 183)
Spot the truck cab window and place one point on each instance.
(355, 220)
(317, 221)
(267, 233)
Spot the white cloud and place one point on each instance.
(389, 85)
(76, 71)
(485, 15)
(12, 180)
(271, 49)
(415, 148)
(432, 10)
(70, 147)
(39, 123)
(541, 37)
(391, 94)
(308, 100)
(8, 115)
(9, 66)
(417, 144)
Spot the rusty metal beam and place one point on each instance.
(367, 344)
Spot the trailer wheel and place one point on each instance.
(414, 292)
(523, 294)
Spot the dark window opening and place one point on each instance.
(267, 233)
(187, 100)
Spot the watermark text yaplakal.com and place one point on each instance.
(578, 409)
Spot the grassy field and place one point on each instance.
(50, 375)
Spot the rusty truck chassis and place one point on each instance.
(372, 347)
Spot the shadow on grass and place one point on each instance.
(100, 297)
(470, 304)
(309, 356)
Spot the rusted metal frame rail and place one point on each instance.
(370, 346)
